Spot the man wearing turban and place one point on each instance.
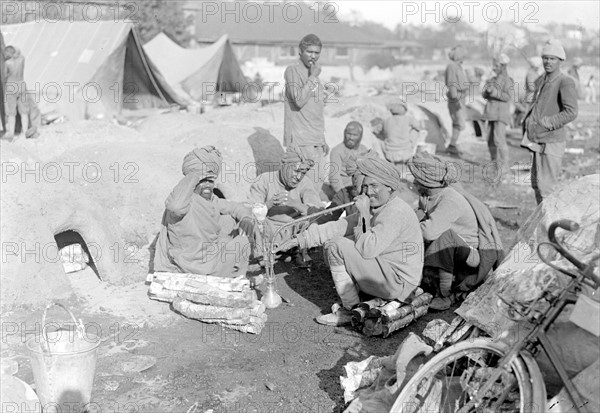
(288, 194)
(498, 92)
(304, 120)
(377, 251)
(554, 106)
(462, 242)
(350, 191)
(457, 86)
(199, 234)
(351, 147)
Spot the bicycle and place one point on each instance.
(484, 376)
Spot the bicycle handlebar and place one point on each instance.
(567, 224)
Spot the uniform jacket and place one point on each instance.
(498, 98)
(554, 105)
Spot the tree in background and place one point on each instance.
(155, 16)
(149, 16)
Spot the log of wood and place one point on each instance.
(190, 286)
(222, 299)
(209, 296)
(372, 327)
(174, 281)
(401, 312)
(359, 313)
(396, 314)
(252, 324)
(157, 292)
(199, 311)
(248, 328)
(388, 306)
(249, 320)
(396, 325)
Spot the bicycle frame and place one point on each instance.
(537, 337)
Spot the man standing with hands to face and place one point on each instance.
(304, 122)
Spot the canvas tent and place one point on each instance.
(197, 72)
(85, 70)
(2, 114)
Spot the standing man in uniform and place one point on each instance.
(554, 105)
(304, 122)
(498, 92)
(2, 84)
(457, 86)
(574, 73)
(16, 92)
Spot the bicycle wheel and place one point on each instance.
(450, 381)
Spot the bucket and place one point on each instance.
(63, 364)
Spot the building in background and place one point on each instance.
(254, 34)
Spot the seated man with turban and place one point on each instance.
(344, 153)
(347, 194)
(462, 243)
(198, 233)
(288, 194)
(377, 251)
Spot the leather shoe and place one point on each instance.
(440, 303)
(337, 318)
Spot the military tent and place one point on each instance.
(197, 72)
(85, 70)
(2, 80)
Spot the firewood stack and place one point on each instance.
(229, 302)
(378, 317)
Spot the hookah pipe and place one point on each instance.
(270, 297)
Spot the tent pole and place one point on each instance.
(138, 44)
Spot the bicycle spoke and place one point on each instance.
(468, 382)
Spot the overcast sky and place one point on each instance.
(479, 13)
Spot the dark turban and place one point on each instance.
(379, 169)
(293, 154)
(430, 171)
(350, 164)
(206, 160)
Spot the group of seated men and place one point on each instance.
(381, 247)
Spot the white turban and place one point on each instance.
(554, 48)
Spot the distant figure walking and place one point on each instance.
(574, 73)
(16, 91)
(456, 83)
(498, 92)
(590, 90)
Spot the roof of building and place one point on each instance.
(282, 22)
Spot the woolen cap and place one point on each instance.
(554, 48)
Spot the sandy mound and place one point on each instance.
(247, 137)
(56, 139)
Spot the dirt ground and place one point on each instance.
(153, 360)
